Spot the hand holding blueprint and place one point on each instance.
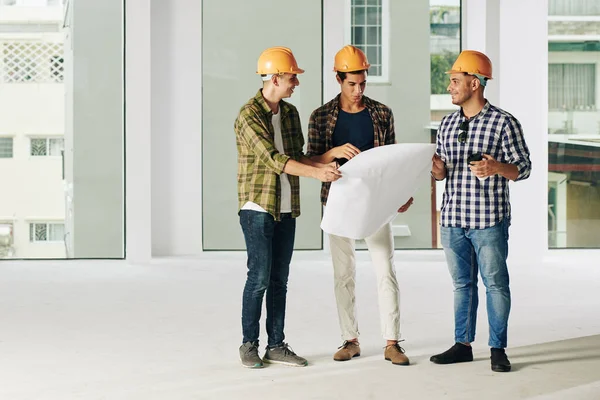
(373, 186)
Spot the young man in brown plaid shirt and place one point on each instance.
(270, 159)
(338, 131)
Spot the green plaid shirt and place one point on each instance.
(322, 124)
(259, 162)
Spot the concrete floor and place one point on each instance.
(171, 330)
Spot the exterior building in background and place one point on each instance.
(444, 24)
(573, 124)
(32, 102)
(445, 45)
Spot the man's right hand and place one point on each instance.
(328, 172)
(438, 167)
(346, 151)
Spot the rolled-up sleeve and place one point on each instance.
(390, 137)
(515, 149)
(298, 138)
(258, 139)
(439, 149)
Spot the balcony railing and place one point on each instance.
(32, 61)
(574, 7)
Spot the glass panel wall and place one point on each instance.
(229, 57)
(61, 129)
(445, 45)
(574, 124)
(418, 103)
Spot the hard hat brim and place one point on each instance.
(363, 68)
(294, 72)
(453, 71)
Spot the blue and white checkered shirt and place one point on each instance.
(467, 201)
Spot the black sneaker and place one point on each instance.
(500, 361)
(455, 354)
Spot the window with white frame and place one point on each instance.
(44, 147)
(6, 147)
(46, 232)
(573, 7)
(369, 32)
(572, 87)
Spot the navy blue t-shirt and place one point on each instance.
(354, 128)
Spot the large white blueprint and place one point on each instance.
(374, 184)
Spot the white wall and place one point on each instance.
(32, 189)
(441, 102)
(176, 33)
(18, 14)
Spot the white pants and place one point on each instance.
(381, 249)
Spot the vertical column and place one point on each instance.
(138, 140)
(520, 87)
(176, 30)
(523, 61)
(481, 32)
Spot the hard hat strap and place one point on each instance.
(482, 79)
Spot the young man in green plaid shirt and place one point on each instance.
(270, 159)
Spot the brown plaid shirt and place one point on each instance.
(322, 124)
(259, 162)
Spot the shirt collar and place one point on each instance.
(367, 102)
(480, 114)
(260, 100)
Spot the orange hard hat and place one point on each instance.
(277, 60)
(473, 63)
(349, 59)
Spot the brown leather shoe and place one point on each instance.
(395, 354)
(347, 350)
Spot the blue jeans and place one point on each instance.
(269, 245)
(467, 252)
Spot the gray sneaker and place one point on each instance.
(249, 355)
(284, 355)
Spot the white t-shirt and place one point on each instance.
(286, 189)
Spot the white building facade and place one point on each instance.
(32, 126)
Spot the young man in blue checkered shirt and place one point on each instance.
(480, 148)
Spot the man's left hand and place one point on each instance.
(486, 167)
(406, 206)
